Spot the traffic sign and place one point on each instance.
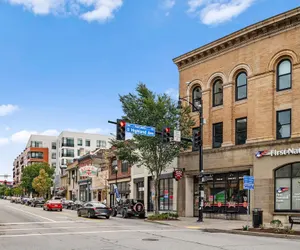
(140, 129)
(249, 182)
(177, 136)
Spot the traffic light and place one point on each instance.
(121, 130)
(166, 134)
(197, 138)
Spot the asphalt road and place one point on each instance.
(25, 228)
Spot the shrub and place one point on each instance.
(276, 224)
(246, 228)
(164, 216)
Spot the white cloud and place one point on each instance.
(218, 11)
(7, 109)
(50, 132)
(23, 135)
(168, 4)
(4, 141)
(173, 93)
(97, 131)
(89, 10)
(7, 128)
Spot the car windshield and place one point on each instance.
(98, 204)
(54, 201)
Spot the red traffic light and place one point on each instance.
(167, 130)
(122, 123)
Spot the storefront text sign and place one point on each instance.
(289, 151)
(88, 171)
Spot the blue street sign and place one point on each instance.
(140, 129)
(249, 182)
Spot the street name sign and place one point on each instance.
(140, 129)
(248, 182)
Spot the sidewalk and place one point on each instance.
(191, 222)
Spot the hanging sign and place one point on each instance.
(88, 171)
(177, 174)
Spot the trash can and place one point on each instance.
(257, 217)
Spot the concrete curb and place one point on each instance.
(158, 222)
(270, 235)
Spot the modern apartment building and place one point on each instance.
(58, 151)
(249, 82)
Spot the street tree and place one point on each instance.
(42, 183)
(2, 189)
(31, 172)
(8, 192)
(17, 191)
(157, 110)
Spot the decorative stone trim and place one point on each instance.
(247, 35)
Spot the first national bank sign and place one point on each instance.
(289, 151)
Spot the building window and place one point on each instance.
(124, 167)
(284, 75)
(166, 194)
(53, 156)
(36, 144)
(240, 131)
(283, 124)
(217, 135)
(287, 188)
(53, 145)
(67, 152)
(195, 146)
(36, 155)
(67, 142)
(241, 86)
(140, 190)
(54, 165)
(79, 142)
(87, 143)
(196, 98)
(217, 93)
(101, 144)
(78, 152)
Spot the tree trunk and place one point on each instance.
(156, 203)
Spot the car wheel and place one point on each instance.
(43, 208)
(124, 214)
(114, 213)
(78, 213)
(61, 210)
(142, 216)
(89, 215)
(107, 217)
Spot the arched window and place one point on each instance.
(241, 86)
(196, 97)
(217, 93)
(284, 75)
(287, 188)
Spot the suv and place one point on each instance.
(37, 202)
(129, 207)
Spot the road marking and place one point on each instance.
(52, 228)
(89, 232)
(193, 227)
(43, 222)
(35, 215)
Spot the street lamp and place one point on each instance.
(116, 170)
(198, 107)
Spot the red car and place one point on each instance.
(53, 205)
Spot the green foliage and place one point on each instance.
(2, 189)
(246, 228)
(31, 172)
(163, 216)
(17, 191)
(276, 224)
(8, 192)
(42, 183)
(159, 111)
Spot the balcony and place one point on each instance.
(71, 145)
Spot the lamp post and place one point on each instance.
(116, 170)
(199, 109)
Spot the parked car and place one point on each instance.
(51, 205)
(37, 202)
(13, 199)
(130, 207)
(28, 201)
(94, 209)
(18, 200)
(24, 200)
(67, 204)
(76, 205)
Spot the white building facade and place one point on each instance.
(142, 188)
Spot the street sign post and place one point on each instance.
(177, 135)
(140, 129)
(248, 185)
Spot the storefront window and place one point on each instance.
(287, 188)
(166, 194)
(222, 191)
(140, 190)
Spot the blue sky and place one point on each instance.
(64, 62)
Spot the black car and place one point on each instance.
(94, 209)
(37, 202)
(129, 208)
(67, 204)
(76, 205)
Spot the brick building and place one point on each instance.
(250, 86)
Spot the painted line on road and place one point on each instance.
(42, 222)
(35, 215)
(89, 232)
(53, 228)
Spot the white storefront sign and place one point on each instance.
(274, 152)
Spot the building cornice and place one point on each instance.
(239, 38)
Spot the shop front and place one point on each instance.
(124, 191)
(85, 192)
